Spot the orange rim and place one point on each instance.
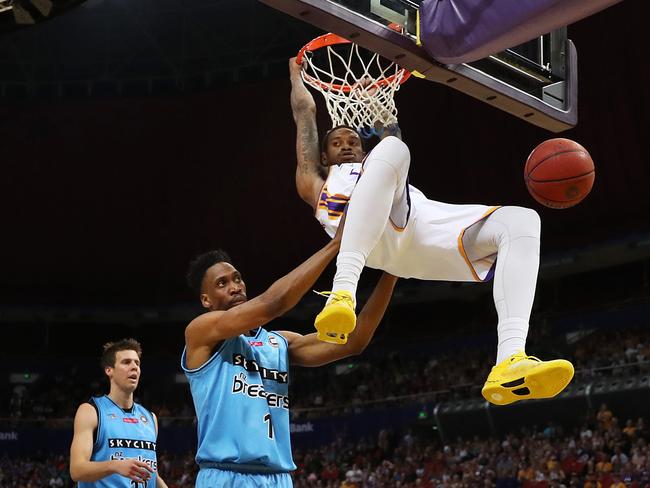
(331, 39)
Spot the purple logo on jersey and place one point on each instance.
(333, 204)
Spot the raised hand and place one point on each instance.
(294, 69)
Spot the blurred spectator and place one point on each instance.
(606, 459)
(349, 387)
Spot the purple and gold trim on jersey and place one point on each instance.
(461, 248)
(400, 213)
(334, 205)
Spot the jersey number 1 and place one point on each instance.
(267, 418)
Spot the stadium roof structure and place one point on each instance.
(98, 208)
(145, 46)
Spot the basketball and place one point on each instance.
(559, 173)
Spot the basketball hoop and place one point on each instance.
(358, 86)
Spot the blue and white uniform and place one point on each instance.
(423, 238)
(123, 434)
(241, 398)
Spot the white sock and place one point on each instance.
(512, 338)
(384, 174)
(348, 270)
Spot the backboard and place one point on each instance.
(535, 81)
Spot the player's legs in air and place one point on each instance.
(383, 183)
(511, 234)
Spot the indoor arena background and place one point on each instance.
(114, 177)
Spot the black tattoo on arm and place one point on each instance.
(307, 148)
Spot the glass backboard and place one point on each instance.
(535, 81)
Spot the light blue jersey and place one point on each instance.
(242, 405)
(123, 434)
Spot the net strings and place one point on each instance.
(359, 100)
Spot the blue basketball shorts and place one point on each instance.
(219, 478)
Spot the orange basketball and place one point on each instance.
(559, 173)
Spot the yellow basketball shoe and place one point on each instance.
(337, 319)
(522, 377)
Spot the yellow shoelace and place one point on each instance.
(336, 295)
(524, 356)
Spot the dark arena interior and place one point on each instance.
(138, 134)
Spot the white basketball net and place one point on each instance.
(362, 97)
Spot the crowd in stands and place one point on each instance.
(37, 471)
(52, 471)
(618, 352)
(601, 454)
(392, 374)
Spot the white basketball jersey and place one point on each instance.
(335, 194)
(429, 248)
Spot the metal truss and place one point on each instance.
(147, 47)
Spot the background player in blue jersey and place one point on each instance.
(239, 372)
(114, 443)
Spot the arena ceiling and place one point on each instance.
(137, 133)
(153, 45)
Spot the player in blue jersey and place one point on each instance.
(239, 372)
(114, 442)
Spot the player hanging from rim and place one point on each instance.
(239, 372)
(392, 226)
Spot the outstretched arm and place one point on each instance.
(309, 172)
(307, 350)
(206, 331)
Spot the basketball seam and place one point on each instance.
(530, 170)
(561, 179)
(553, 201)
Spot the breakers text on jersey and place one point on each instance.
(265, 373)
(239, 385)
(119, 456)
